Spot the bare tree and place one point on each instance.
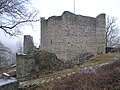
(13, 13)
(5, 56)
(118, 42)
(112, 32)
(19, 46)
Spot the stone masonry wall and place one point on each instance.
(101, 33)
(25, 64)
(69, 35)
(28, 44)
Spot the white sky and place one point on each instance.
(84, 7)
(91, 8)
(49, 8)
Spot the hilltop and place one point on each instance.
(99, 73)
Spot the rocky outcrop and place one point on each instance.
(47, 62)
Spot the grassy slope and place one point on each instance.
(90, 75)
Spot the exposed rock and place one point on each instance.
(47, 62)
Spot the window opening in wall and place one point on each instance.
(51, 41)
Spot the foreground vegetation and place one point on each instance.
(101, 73)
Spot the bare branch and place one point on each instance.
(112, 31)
(13, 13)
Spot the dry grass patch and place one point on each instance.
(106, 77)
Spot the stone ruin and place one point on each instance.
(28, 44)
(33, 63)
(68, 36)
(25, 62)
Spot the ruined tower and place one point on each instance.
(25, 62)
(69, 35)
(28, 44)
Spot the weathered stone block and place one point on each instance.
(47, 62)
(28, 44)
(25, 64)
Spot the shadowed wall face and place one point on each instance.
(70, 35)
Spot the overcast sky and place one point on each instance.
(49, 8)
(91, 8)
(84, 7)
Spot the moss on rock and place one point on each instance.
(47, 62)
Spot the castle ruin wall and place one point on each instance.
(28, 44)
(69, 35)
(25, 64)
